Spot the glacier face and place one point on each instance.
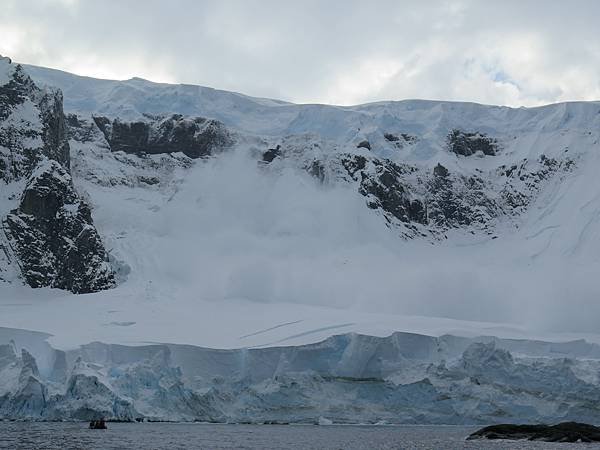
(217, 215)
(403, 378)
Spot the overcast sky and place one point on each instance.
(501, 52)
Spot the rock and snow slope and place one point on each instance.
(230, 221)
(499, 205)
(47, 233)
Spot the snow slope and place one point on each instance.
(314, 221)
(232, 229)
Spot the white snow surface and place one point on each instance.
(229, 254)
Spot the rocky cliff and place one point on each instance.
(47, 229)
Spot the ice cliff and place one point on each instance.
(404, 378)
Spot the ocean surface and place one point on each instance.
(27, 435)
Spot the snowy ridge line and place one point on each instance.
(56, 77)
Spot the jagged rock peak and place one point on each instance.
(32, 123)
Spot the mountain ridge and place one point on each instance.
(40, 71)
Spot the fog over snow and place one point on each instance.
(281, 238)
(344, 52)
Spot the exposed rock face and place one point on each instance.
(94, 161)
(440, 171)
(364, 144)
(380, 181)
(56, 145)
(17, 90)
(523, 179)
(271, 154)
(400, 140)
(467, 144)
(50, 232)
(32, 125)
(195, 137)
(53, 235)
(442, 200)
(455, 202)
(439, 202)
(421, 202)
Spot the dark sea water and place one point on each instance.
(23, 435)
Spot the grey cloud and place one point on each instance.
(314, 51)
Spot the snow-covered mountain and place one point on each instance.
(221, 220)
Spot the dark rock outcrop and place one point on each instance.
(409, 138)
(440, 171)
(467, 144)
(195, 137)
(364, 144)
(317, 169)
(56, 145)
(271, 154)
(400, 140)
(523, 180)
(16, 91)
(381, 182)
(454, 202)
(563, 432)
(50, 232)
(439, 201)
(53, 236)
(24, 140)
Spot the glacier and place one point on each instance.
(350, 378)
(261, 261)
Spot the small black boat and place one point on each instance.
(97, 424)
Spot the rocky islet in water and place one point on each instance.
(562, 432)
